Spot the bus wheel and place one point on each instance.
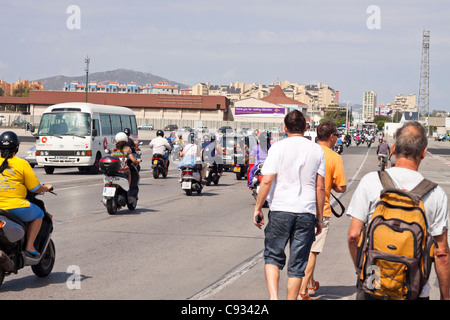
(49, 170)
(96, 167)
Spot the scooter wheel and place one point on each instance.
(45, 266)
(111, 206)
(133, 205)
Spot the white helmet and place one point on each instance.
(121, 136)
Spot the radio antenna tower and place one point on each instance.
(423, 106)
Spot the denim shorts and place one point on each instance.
(299, 230)
(28, 214)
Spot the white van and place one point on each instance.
(77, 134)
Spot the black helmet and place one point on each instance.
(160, 133)
(127, 131)
(9, 141)
(212, 137)
(192, 137)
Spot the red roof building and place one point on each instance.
(277, 96)
(216, 107)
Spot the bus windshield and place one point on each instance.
(65, 123)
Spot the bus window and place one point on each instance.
(126, 121)
(106, 124)
(65, 123)
(134, 130)
(116, 125)
(95, 127)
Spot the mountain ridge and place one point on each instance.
(122, 76)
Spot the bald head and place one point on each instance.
(410, 141)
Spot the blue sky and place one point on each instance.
(260, 41)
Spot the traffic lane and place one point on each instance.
(334, 269)
(159, 252)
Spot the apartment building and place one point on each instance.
(8, 88)
(115, 87)
(315, 96)
(369, 105)
(404, 103)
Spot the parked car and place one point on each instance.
(31, 156)
(186, 128)
(19, 123)
(171, 127)
(146, 127)
(201, 129)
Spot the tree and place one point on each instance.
(21, 91)
(337, 117)
(2, 92)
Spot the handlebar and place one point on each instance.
(51, 191)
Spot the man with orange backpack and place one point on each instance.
(399, 226)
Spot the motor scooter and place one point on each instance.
(240, 166)
(256, 182)
(158, 166)
(212, 174)
(191, 179)
(338, 148)
(13, 239)
(117, 191)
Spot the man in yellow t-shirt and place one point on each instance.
(16, 178)
(334, 180)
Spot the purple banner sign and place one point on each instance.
(240, 111)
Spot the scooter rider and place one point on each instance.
(130, 143)
(161, 146)
(17, 178)
(211, 152)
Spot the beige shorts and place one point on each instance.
(319, 243)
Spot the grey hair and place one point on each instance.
(410, 143)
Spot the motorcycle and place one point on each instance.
(338, 148)
(117, 191)
(256, 181)
(212, 174)
(191, 180)
(348, 141)
(240, 166)
(13, 239)
(158, 166)
(369, 142)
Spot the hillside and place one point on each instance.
(122, 76)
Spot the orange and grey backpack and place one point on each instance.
(395, 249)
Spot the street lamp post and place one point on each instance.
(346, 118)
(87, 76)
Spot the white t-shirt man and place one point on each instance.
(296, 161)
(159, 145)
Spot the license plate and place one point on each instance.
(109, 191)
(186, 185)
(61, 157)
(237, 169)
(155, 161)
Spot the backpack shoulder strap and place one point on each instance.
(423, 188)
(416, 194)
(386, 180)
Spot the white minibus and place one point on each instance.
(76, 134)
